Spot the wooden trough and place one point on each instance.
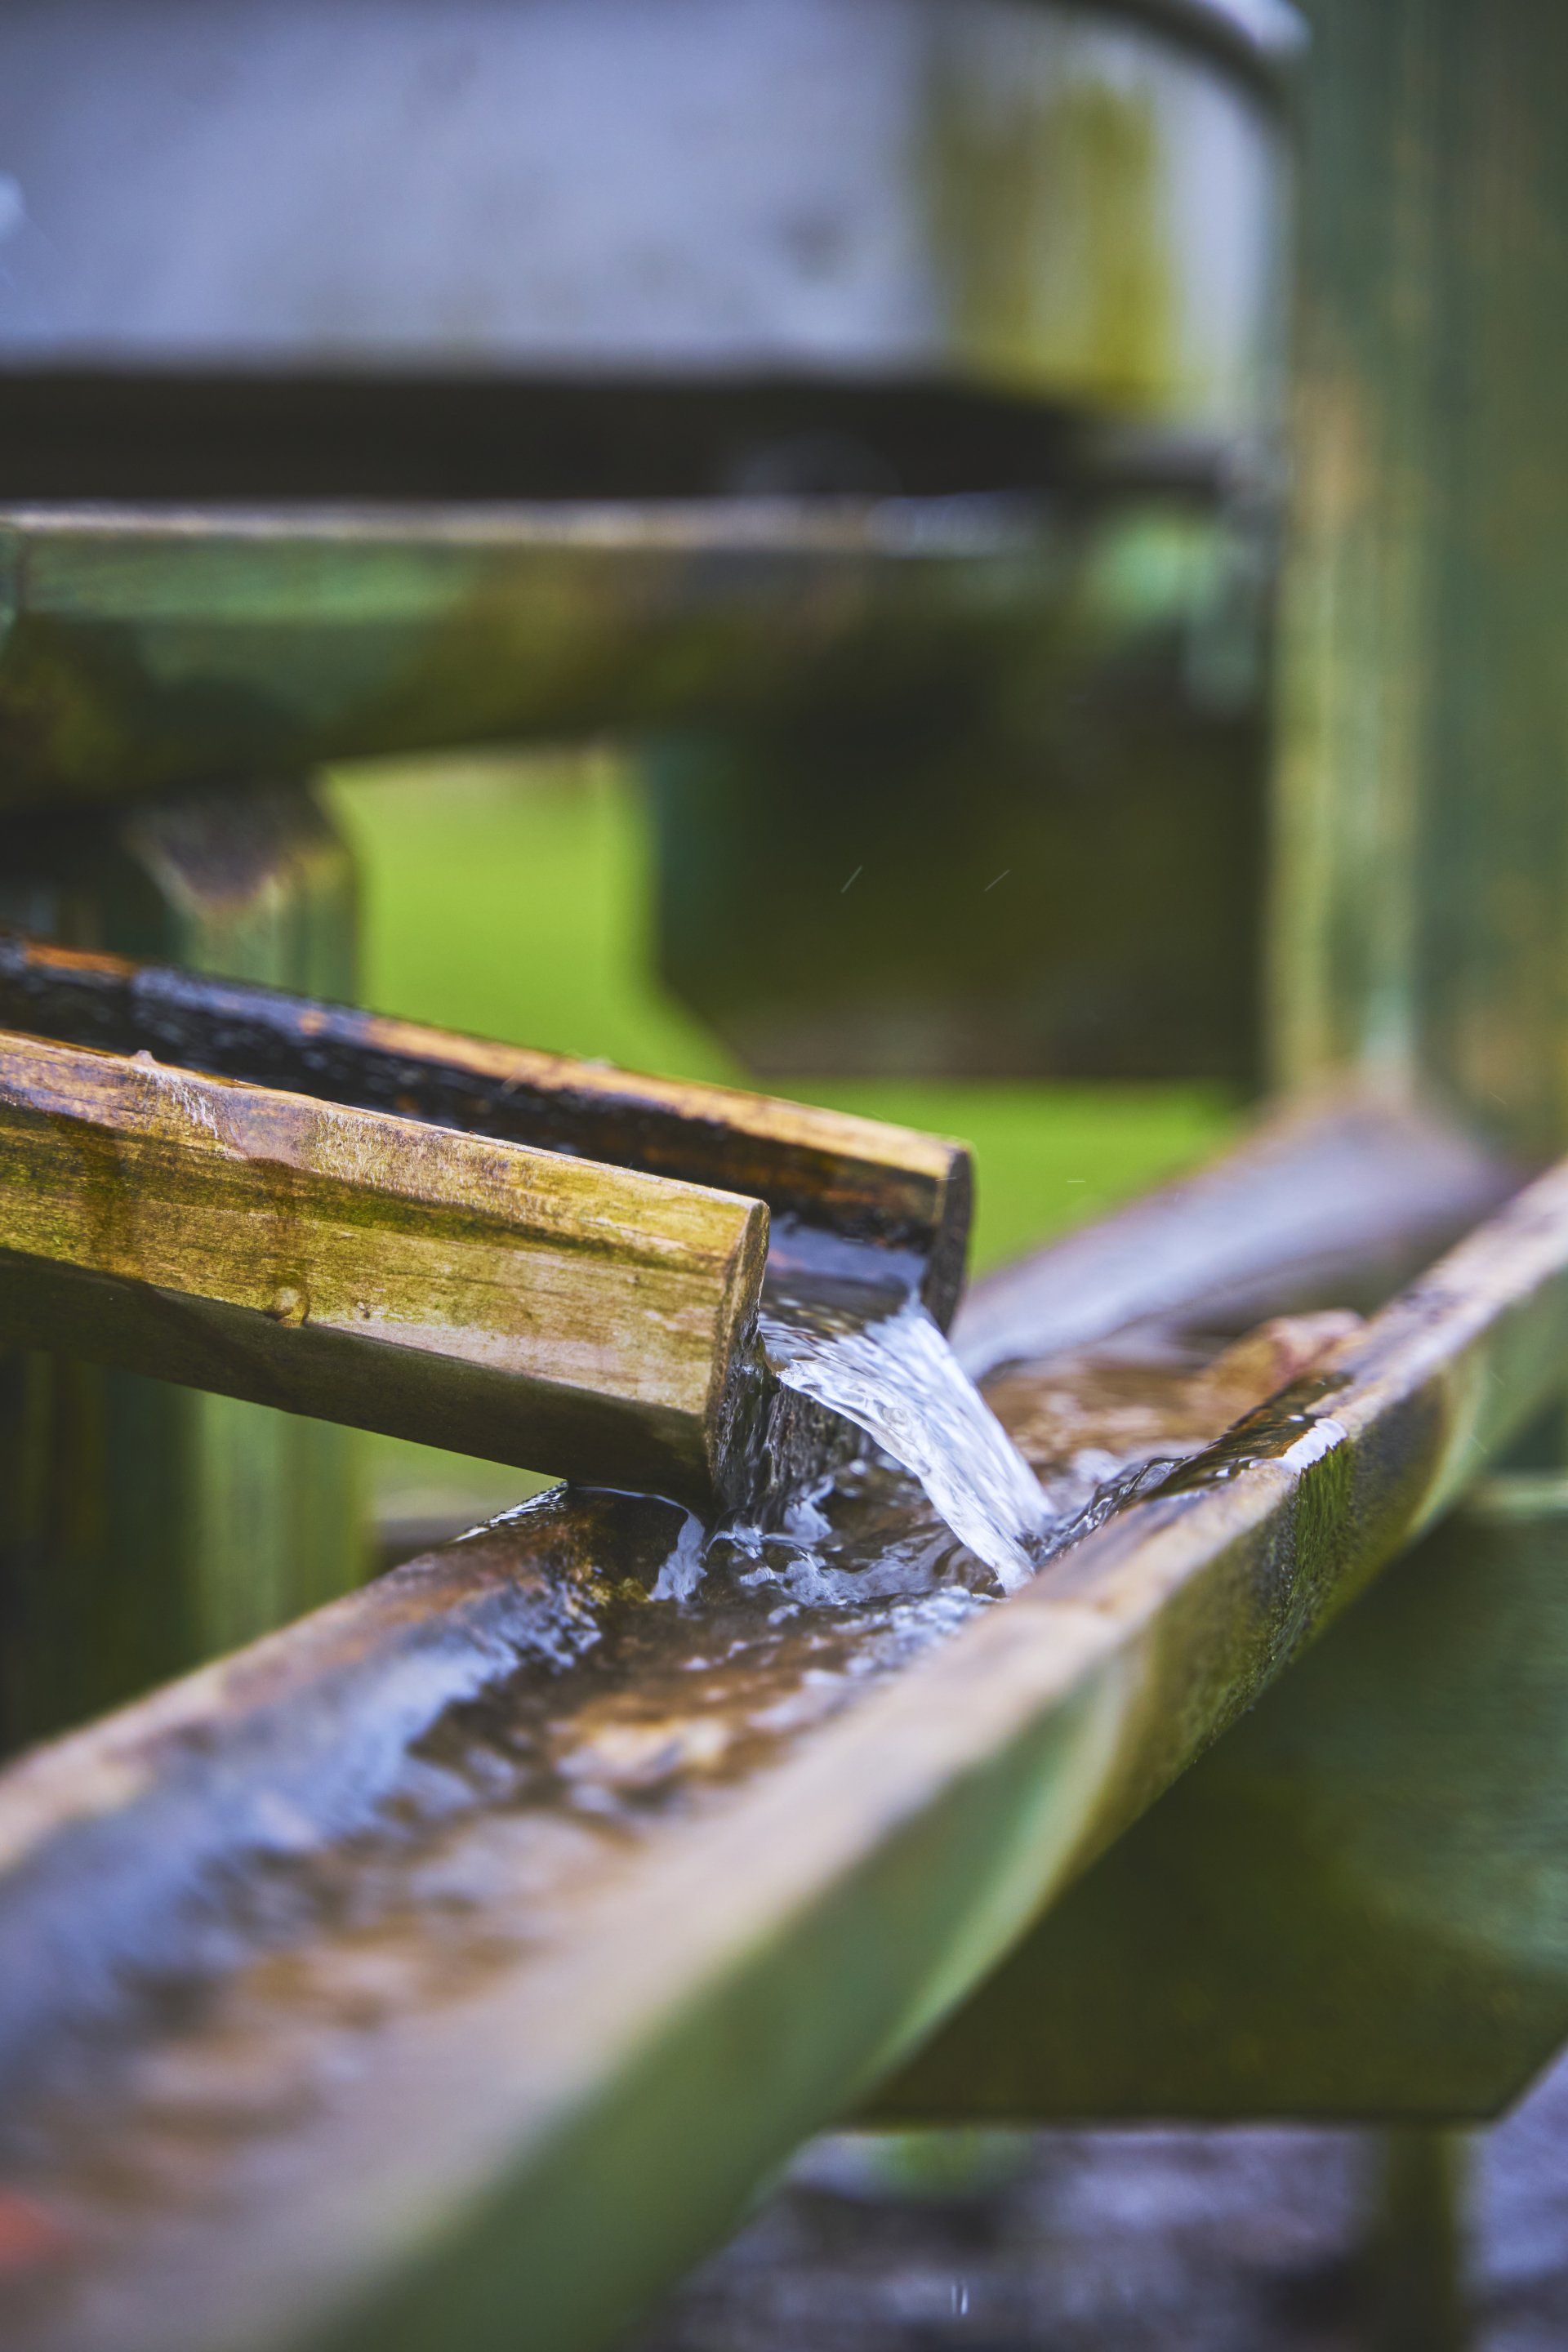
(378, 2072)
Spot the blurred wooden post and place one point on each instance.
(144, 1527)
(1421, 906)
(1422, 885)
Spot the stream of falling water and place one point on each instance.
(896, 1380)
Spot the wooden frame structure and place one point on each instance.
(460, 2103)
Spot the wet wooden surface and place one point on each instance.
(526, 1305)
(856, 1178)
(430, 2036)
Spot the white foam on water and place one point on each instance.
(681, 1574)
(899, 1380)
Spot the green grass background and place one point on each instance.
(511, 897)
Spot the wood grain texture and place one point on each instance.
(525, 1305)
(1420, 899)
(859, 1179)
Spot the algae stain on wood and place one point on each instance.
(375, 1270)
(1051, 210)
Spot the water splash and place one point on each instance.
(899, 1380)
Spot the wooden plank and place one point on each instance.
(859, 1179)
(150, 649)
(418, 2150)
(524, 1305)
(143, 1526)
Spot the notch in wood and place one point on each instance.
(507, 1252)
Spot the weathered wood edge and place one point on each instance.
(1335, 1199)
(859, 1177)
(551, 1311)
(66, 531)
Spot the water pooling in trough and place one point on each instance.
(896, 1378)
(652, 1670)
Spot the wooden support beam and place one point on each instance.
(524, 1305)
(1414, 2258)
(1360, 1898)
(146, 650)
